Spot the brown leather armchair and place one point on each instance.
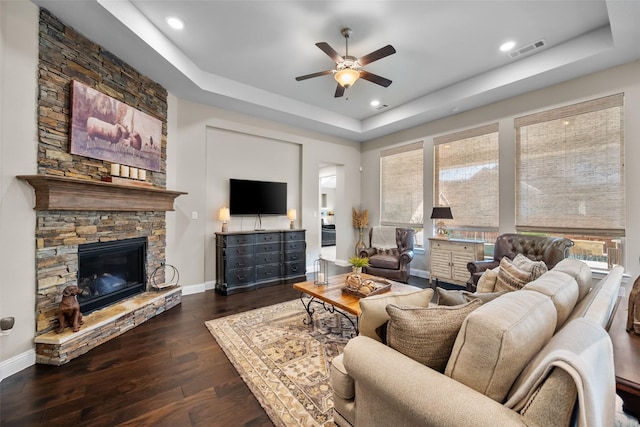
(391, 263)
(551, 250)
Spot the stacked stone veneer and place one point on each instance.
(65, 55)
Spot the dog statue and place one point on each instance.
(69, 309)
(633, 319)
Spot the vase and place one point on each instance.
(360, 245)
(357, 270)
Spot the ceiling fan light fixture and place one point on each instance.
(346, 77)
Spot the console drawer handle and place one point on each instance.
(241, 277)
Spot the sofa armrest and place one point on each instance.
(482, 266)
(392, 389)
(367, 252)
(406, 257)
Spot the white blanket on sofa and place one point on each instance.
(383, 237)
(583, 349)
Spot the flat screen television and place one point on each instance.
(257, 197)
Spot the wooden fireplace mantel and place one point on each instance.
(72, 194)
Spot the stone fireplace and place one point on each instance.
(77, 213)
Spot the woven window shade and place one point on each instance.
(466, 177)
(401, 176)
(570, 169)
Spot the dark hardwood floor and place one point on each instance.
(169, 371)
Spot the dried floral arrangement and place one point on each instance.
(360, 218)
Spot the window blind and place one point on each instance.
(466, 177)
(401, 179)
(570, 169)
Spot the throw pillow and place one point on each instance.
(498, 340)
(456, 297)
(487, 281)
(426, 335)
(510, 277)
(536, 268)
(373, 313)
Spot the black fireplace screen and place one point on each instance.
(110, 271)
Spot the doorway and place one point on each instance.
(328, 210)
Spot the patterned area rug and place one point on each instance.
(285, 362)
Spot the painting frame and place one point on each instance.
(106, 129)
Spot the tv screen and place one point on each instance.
(257, 197)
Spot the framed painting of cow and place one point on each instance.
(107, 129)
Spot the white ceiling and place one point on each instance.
(244, 55)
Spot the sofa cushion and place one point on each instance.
(456, 297)
(561, 288)
(383, 260)
(579, 271)
(536, 268)
(510, 277)
(373, 309)
(487, 281)
(426, 334)
(497, 340)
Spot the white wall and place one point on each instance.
(207, 143)
(624, 78)
(18, 154)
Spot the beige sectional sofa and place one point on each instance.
(535, 356)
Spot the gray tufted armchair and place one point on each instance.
(393, 263)
(551, 250)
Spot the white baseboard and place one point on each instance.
(17, 363)
(193, 289)
(420, 273)
(198, 288)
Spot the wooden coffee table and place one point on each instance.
(331, 298)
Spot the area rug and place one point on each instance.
(285, 362)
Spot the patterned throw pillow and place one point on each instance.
(426, 335)
(510, 277)
(536, 268)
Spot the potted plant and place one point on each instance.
(357, 263)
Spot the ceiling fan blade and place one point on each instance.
(378, 54)
(330, 51)
(374, 78)
(318, 74)
(339, 92)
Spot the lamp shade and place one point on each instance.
(346, 77)
(224, 214)
(291, 214)
(441, 213)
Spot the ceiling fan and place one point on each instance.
(347, 69)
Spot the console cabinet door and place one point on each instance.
(449, 259)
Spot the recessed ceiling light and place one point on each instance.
(375, 103)
(507, 46)
(175, 23)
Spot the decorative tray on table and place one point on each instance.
(361, 288)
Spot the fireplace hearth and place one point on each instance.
(110, 271)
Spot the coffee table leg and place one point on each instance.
(327, 307)
(308, 309)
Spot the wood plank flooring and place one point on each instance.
(168, 371)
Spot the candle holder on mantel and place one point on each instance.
(321, 272)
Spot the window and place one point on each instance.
(570, 176)
(401, 176)
(466, 178)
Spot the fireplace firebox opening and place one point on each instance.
(111, 271)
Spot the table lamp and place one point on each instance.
(291, 214)
(224, 216)
(441, 213)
